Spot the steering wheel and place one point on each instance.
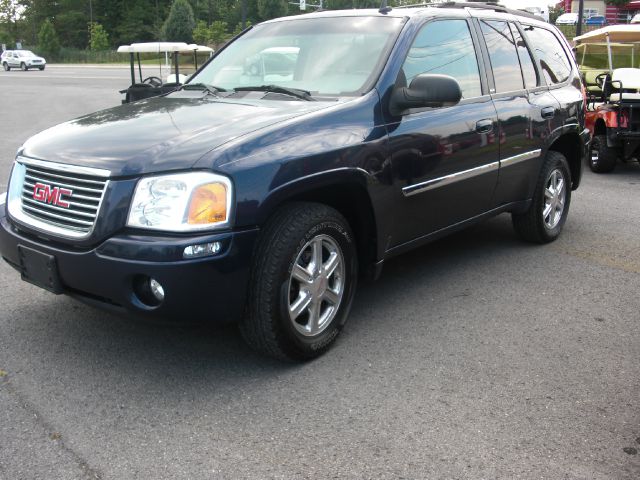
(601, 79)
(153, 81)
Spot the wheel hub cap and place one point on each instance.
(316, 285)
(554, 199)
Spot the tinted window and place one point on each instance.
(445, 47)
(554, 62)
(526, 62)
(503, 56)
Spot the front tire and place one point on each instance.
(602, 158)
(23, 67)
(543, 221)
(303, 281)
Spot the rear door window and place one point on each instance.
(554, 63)
(526, 62)
(503, 55)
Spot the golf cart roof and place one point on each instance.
(162, 47)
(615, 33)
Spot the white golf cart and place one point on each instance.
(152, 86)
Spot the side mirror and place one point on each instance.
(426, 90)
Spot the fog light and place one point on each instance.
(202, 250)
(156, 289)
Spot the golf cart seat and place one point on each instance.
(626, 82)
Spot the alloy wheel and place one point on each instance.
(316, 285)
(554, 199)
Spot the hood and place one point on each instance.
(158, 134)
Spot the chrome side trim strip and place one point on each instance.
(507, 162)
(97, 172)
(449, 179)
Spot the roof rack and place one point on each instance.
(478, 5)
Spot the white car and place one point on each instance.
(22, 59)
(567, 19)
(636, 18)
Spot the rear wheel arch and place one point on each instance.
(569, 146)
(349, 196)
(600, 127)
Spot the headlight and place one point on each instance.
(181, 202)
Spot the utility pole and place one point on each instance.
(580, 15)
(90, 13)
(244, 14)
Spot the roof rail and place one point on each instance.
(478, 5)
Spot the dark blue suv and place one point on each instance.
(302, 155)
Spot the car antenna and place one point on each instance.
(384, 8)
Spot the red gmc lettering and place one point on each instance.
(53, 196)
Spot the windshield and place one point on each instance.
(26, 53)
(324, 56)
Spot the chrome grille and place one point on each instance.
(83, 202)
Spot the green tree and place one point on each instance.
(218, 32)
(180, 23)
(201, 34)
(269, 9)
(48, 39)
(98, 37)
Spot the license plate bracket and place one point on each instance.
(39, 269)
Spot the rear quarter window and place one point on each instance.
(552, 57)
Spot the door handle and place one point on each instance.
(484, 126)
(548, 113)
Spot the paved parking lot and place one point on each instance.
(476, 357)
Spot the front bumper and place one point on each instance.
(209, 288)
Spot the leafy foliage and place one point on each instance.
(269, 9)
(180, 23)
(48, 39)
(98, 37)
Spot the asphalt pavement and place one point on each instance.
(476, 357)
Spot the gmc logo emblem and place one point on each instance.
(52, 195)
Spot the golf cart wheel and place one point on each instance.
(23, 67)
(602, 158)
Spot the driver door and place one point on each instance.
(444, 160)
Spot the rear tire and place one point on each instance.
(302, 284)
(6, 66)
(602, 158)
(41, 68)
(23, 67)
(543, 221)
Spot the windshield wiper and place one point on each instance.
(205, 87)
(293, 92)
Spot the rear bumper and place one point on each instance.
(210, 288)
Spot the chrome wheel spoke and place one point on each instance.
(332, 297)
(547, 211)
(300, 305)
(330, 265)
(314, 318)
(316, 255)
(301, 274)
(549, 194)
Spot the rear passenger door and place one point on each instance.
(525, 109)
(444, 160)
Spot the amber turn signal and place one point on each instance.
(208, 204)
